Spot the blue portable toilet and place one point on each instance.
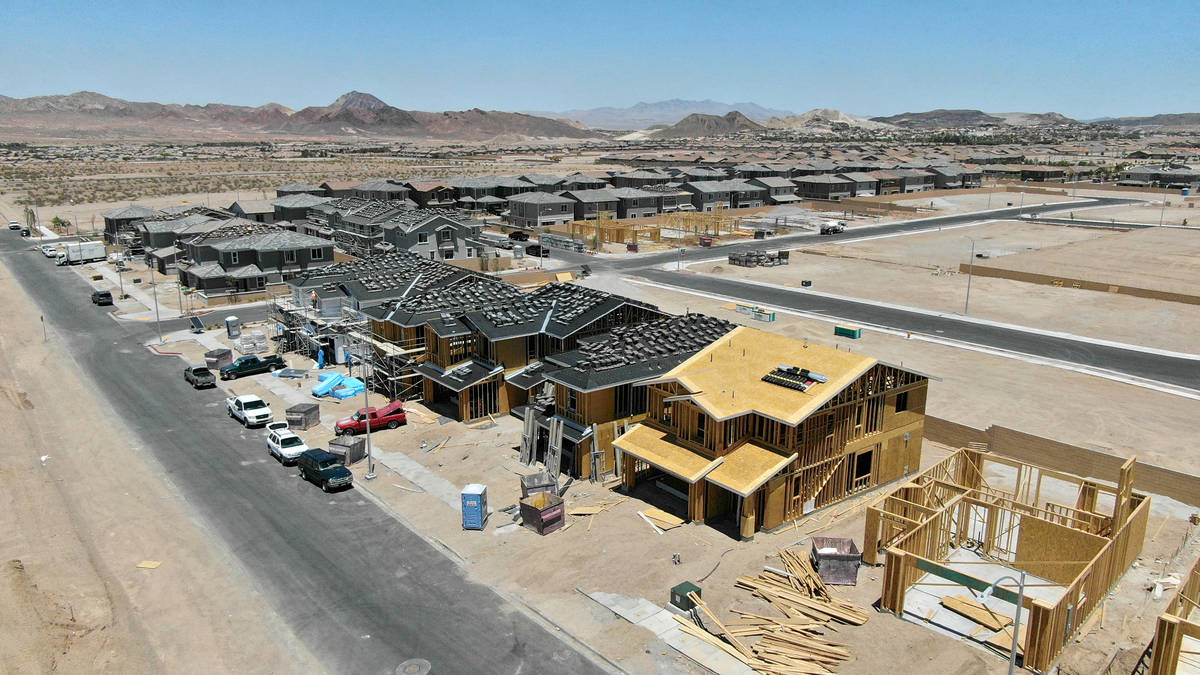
(474, 507)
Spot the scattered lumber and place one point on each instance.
(794, 644)
(662, 519)
(977, 612)
(1003, 641)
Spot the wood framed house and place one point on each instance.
(748, 444)
(598, 387)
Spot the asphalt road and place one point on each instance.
(1171, 370)
(364, 592)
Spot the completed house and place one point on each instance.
(431, 194)
(246, 256)
(384, 189)
(639, 178)
(590, 204)
(779, 190)
(437, 234)
(824, 186)
(758, 429)
(636, 203)
(865, 185)
(708, 195)
(532, 210)
(258, 210)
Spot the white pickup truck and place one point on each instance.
(248, 409)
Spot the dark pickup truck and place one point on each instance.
(199, 377)
(324, 469)
(252, 365)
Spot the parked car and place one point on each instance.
(14, 225)
(252, 365)
(285, 446)
(25, 232)
(199, 376)
(390, 416)
(49, 251)
(537, 251)
(249, 410)
(518, 235)
(322, 468)
(506, 244)
(102, 298)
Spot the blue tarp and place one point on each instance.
(327, 382)
(349, 386)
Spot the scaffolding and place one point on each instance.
(390, 365)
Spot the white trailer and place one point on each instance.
(75, 252)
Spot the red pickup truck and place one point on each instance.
(390, 416)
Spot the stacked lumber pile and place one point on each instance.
(791, 645)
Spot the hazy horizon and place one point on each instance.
(1082, 60)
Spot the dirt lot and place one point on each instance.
(920, 271)
(1162, 259)
(74, 529)
(980, 201)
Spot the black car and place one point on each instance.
(537, 251)
(518, 235)
(102, 298)
(322, 468)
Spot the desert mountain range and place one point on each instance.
(88, 115)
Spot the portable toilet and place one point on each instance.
(233, 327)
(474, 507)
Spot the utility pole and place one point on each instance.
(1162, 214)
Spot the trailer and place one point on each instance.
(77, 252)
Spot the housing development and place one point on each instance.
(681, 387)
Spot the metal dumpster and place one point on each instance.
(537, 482)
(218, 358)
(837, 560)
(348, 449)
(303, 415)
(543, 512)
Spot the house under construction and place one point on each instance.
(975, 519)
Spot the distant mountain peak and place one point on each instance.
(358, 101)
(643, 115)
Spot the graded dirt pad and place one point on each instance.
(947, 248)
(1157, 259)
(982, 200)
(80, 509)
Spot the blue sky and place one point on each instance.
(1083, 59)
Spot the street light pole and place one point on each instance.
(970, 273)
(1162, 214)
(154, 288)
(1012, 656)
(370, 475)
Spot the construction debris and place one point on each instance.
(977, 612)
(661, 519)
(788, 645)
